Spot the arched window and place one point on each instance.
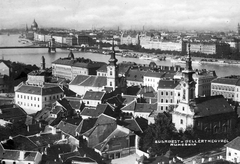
(181, 121)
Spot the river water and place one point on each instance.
(33, 56)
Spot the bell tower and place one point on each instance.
(188, 83)
(112, 69)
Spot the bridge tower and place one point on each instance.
(51, 45)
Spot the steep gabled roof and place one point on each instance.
(130, 107)
(85, 125)
(234, 144)
(67, 128)
(99, 133)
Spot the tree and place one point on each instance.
(162, 129)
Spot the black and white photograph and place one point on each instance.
(119, 82)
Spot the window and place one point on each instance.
(45, 98)
(161, 100)
(166, 93)
(87, 102)
(118, 155)
(229, 153)
(171, 100)
(24, 97)
(183, 108)
(38, 98)
(171, 93)
(161, 93)
(161, 107)
(110, 83)
(181, 121)
(166, 101)
(110, 73)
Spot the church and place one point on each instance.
(82, 83)
(211, 114)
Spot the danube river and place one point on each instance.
(33, 56)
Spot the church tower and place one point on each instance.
(183, 115)
(187, 83)
(112, 70)
(43, 63)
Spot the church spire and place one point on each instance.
(189, 59)
(113, 60)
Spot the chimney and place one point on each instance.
(21, 155)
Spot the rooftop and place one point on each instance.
(45, 89)
(93, 95)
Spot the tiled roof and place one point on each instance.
(227, 80)
(95, 112)
(44, 139)
(133, 125)
(167, 84)
(79, 62)
(211, 105)
(23, 143)
(74, 102)
(116, 137)
(130, 106)
(105, 119)
(103, 68)
(67, 128)
(135, 75)
(15, 155)
(40, 90)
(85, 125)
(133, 90)
(234, 144)
(150, 73)
(78, 79)
(93, 95)
(142, 122)
(12, 112)
(93, 81)
(145, 107)
(99, 133)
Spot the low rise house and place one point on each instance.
(93, 98)
(233, 150)
(8, 156)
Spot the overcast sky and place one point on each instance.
(127, 14)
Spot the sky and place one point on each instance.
(126, 14)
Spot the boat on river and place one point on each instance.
(146, 57)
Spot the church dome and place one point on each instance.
(34, 24)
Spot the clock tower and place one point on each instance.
(187, 83)
(112, 70)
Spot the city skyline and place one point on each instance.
(157, 14)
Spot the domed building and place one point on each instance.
(34, 26)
